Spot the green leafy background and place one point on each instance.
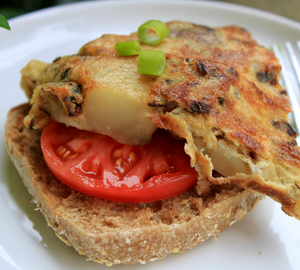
(13, 8)
(286, 8)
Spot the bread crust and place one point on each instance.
(120, 233)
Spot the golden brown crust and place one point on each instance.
(106, 231)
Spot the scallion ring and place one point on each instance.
(151, 62)
(126, 48)
(160, 29)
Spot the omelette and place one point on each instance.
(219, 91)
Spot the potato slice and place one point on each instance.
(103, 95)
(117, 116)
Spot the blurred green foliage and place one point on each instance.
(13, 8)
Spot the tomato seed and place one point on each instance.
(120, 165)
(119, 162)
(118, 153)
(132, 157)
(70, 157)
(95, 165)
(61, 151)
(82, 149)
(67, 154)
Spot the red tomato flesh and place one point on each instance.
(97, 165)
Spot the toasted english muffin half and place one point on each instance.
(117, 232)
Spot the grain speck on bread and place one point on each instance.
(108, 231)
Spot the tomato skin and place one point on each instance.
(97, 165)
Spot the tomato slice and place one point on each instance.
(97, 165)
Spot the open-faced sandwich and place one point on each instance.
(129, 167)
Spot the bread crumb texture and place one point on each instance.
(112, 232)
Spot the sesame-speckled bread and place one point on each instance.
(115, 232)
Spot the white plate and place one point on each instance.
(265, 239)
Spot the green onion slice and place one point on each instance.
(4, 23)
(126, 48)
(160, 29)
(151, 62)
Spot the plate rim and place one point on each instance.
(229, 6)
